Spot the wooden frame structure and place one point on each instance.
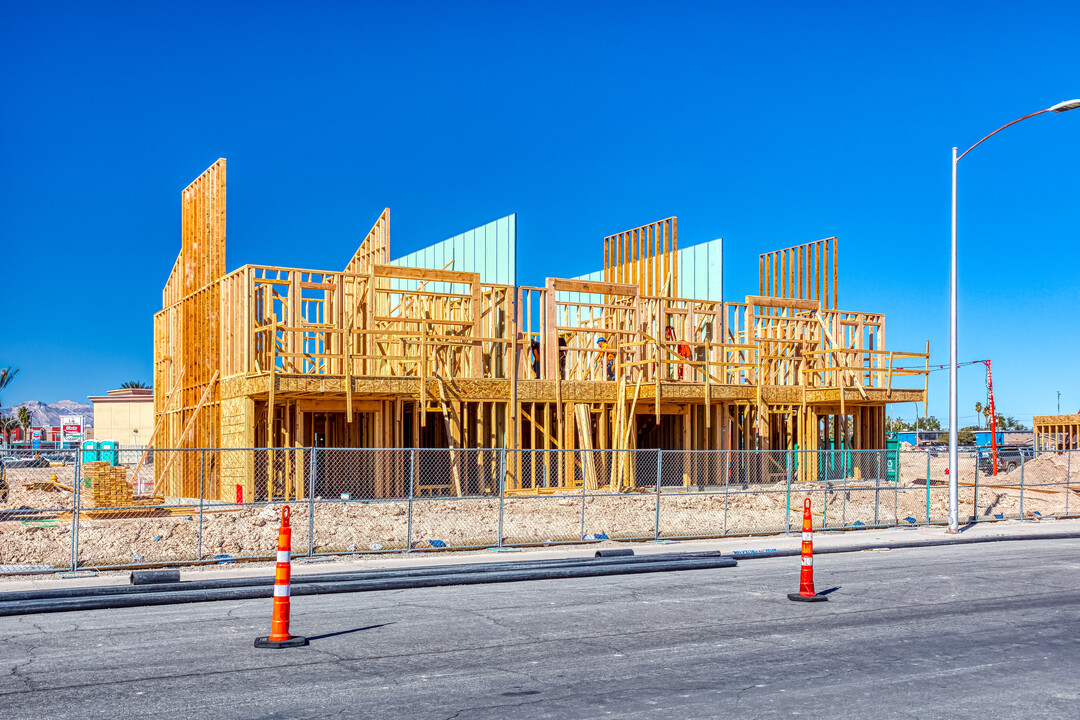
(646, 256)
(1054, 433)
(394, 358)
(803, 272)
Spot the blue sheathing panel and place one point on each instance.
(489, 250)
(576, 297)
(701, 271)
(701, 274)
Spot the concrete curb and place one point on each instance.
(902, 544)
(139, 596)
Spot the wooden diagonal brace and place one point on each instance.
(157, 425)
(839, 362)
(187, 429)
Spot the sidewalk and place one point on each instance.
(740, 547)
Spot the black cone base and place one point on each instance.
(807, 598)
(294, 641)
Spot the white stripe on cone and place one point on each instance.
(807, 560)
(281, 591)
(284, 555)
(806, 536)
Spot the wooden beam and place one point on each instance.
(593, 287)
(408, 273)
(792, 303)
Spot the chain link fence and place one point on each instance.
(68, 510)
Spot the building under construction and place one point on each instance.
(442, 349)
(1055, 433)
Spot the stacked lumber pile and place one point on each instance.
(109, 484)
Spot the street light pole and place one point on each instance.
(954, 500)
(954, 488)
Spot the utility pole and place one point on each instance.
(1059, 402)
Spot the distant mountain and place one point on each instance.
(48, 414)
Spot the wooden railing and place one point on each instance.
(415, 331)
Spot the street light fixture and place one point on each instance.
(954, 500)
(1063, 106)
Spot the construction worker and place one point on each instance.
(682, 350)
(608, 358)
(534, 346)
(562, 356)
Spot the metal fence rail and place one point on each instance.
(65, 512)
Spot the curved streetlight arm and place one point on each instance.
(999, 130)
(954, 411)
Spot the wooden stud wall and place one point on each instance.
(645, 256)
(803, 272)
(374, 250)
(188, 332)
(1054, 433)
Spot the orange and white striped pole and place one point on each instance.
(806, 573)
(279, 625)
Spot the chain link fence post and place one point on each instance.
(1068, 480)
(727, 484)
(877, 495)
(843, 503)
(76, 501)
(896, 486)
(927, 487)
(787, 504)
(975, 498)
(572, 465)
(837, 466)
(502, 492)
(413, 469)
(202, 477)
(1021, 487)
(659, 475)
(311, 503)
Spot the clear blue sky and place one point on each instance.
(768, 124)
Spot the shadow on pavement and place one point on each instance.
(346, 632)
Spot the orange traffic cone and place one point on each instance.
(279, 625)
(806, 575)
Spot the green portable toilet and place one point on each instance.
(109, 452)
(89, 451)
(892, 459)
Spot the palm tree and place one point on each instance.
(6, 424)
(6, 376)
(978, 414)
(24, 419)
(134, 384)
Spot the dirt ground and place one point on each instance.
(36, 526)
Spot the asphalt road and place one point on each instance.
(921, 633)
